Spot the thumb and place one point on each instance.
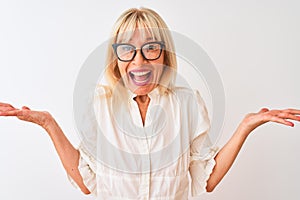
(25, 108)
(263, 110)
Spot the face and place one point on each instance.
(140, 75)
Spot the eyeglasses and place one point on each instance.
(150, 51)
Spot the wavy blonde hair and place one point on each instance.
(148, 22)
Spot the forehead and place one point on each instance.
(138, 35)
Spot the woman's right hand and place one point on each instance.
(26, 114)
(67, 153)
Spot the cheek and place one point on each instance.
(160, 64)
(161, 59)
(122, 68)
(160, 71)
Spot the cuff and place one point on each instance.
(200, 171)
(87, 174)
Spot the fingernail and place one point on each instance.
(292, 125)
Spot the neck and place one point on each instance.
(142, 99)
(143, 102)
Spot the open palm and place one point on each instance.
(25, 114)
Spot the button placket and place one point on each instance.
(146, 169)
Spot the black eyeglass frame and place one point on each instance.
(116, 45)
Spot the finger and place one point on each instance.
(4, 109)
(286, 115)
(11, 113)
(292, 111)
(281, 121)
(6, 105)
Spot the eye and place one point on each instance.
(151, 47)
(126, 48)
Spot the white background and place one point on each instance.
(254, 44)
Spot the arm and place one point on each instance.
(225, 158)
(68, 155)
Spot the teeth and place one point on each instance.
(142, 73)
(143, 81)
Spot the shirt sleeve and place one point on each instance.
(88, 129)
(87, 168)
(202, 152)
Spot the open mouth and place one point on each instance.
(140, 78)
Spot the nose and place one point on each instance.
(139, 58)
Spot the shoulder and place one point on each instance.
(102, 91)
(182, 90)
(187, 94)
(189, 99)
(102, 96)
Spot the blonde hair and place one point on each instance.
(149, 22)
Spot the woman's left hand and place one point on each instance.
(253, 120)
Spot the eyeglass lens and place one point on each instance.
(150, 51)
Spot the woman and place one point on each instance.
(141, 66)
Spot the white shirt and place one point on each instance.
(124, 159)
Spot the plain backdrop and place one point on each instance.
(255, 46)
